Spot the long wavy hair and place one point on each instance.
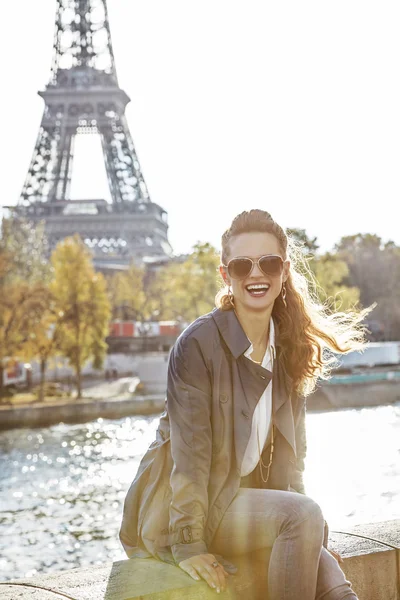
(310, 333)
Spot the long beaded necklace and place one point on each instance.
(260, 462)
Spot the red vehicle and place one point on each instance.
(16, 373)
(143, 335)
(145, 328)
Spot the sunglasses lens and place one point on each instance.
(271, 265)
(239, 268)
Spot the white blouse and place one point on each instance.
(261, 424)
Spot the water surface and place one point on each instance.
(62, 487)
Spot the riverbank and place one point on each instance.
(119, 399)
(371, 555)
(357, 390)
(79, 411)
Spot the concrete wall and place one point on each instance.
(129, 364)
(78, 411)
(371, 556)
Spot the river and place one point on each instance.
(62, 487)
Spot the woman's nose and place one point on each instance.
(256, 271)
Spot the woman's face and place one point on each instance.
(254, 245)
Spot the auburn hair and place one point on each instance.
(310, 332)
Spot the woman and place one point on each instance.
(225, 473)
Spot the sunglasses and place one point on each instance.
(242, 266)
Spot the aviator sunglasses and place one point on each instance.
(241, 266)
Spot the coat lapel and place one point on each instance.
(282, 404)
(249, 381)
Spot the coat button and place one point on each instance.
(262, 376)
(245, 414)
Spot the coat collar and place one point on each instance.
(237, 341)
(232, 332)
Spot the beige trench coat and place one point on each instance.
(191, 472)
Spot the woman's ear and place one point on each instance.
(224, 275)
(286, 270)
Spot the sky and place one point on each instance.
(292, 107)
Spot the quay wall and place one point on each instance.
(371, 555)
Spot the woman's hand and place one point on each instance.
(336, 555)
(200, 566)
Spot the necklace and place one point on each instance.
(261, 463)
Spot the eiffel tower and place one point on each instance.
(83, 97)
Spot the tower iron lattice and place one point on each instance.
(83, 96)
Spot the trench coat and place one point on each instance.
(191, 472)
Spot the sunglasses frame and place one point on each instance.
(254, 262)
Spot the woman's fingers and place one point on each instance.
(336, 555)
(191, 571)
(208, 576)
(217, 576)
(201, 565)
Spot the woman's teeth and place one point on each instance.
(259, 289)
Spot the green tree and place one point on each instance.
(80, 296)
(374, 267)
(126, 292)
(300, 236)
(331, 274)
(186, 290)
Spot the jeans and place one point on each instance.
(292, 524)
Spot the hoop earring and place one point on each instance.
(231, 298)
(283, 292)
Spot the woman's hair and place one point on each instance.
(309, 332)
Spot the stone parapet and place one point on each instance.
(371, 556)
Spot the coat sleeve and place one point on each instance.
(189, 406)
(301, 448)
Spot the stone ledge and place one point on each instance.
(79, 411)
(371, 556)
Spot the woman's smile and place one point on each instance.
(257, 290)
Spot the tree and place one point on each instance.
(331, 273)
(44, 336)
(186, 290)
(27, 248)
(300, 236)
(16, 308)
(19, 300)
(374, 267)
(80, 297)
(126, 292)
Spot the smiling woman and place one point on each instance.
(224, 475)
(264, 272)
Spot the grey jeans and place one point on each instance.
(293, 526)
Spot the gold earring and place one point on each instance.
(284, 294)
(231, 298)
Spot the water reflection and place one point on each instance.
(62, 487)
(61, 493)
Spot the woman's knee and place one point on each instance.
(305, 511)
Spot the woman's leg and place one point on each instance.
(289, 523)
(332, 583)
